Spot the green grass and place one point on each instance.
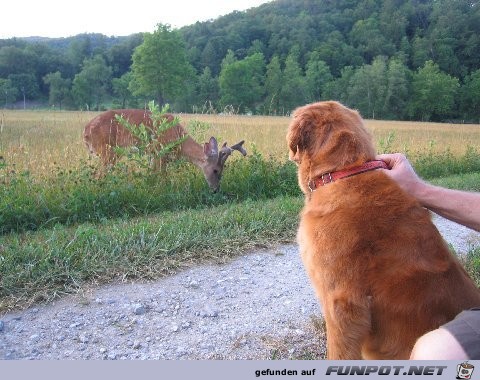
(74, 196)
(434, 165)
(60, 234)
(472, 264)
(469, 181)
(40, 265)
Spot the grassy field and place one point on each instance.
(44, 141)
(61, 229)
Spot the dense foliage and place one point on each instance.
(73, 196)
(391, 59)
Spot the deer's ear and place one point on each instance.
(211, 148)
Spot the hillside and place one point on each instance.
(445, 31)
(324, 48)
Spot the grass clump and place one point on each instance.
(74, 196)
(38, 266)
(472, 264)
(434, 165)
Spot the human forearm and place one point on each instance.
(460, 206)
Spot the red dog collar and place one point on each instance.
(327, 178)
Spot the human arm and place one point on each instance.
(460, 206)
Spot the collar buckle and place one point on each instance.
(326, 178)
(323, 180)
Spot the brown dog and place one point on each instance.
(380, 268)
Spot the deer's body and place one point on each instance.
(104, 132)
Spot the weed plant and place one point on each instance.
(472, 264)
(435, 165)
(75, 196)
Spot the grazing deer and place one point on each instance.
(104, 132)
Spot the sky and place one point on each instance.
(63, 18)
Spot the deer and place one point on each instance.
(104, 132)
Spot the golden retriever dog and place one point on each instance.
(382, 271)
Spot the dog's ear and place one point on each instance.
(299, 136)
(342, 146)
(346, 148)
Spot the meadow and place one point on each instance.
(38, 141)
(61, 229)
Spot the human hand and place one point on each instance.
(402, 172)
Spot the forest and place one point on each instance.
(390, 59)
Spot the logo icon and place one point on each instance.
(464, 371)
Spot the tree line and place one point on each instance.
(390, 59)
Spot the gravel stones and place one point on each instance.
(206, 312)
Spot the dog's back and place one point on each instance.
(380, 267)
(383, 253)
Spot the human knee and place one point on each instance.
(438, 344)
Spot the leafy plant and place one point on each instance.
(387, 142)
(150, 148)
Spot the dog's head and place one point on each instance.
(327, 136)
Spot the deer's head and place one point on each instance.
(215, 162)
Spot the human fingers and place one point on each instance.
(392, 159)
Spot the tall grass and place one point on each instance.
(472, 264)
(74, 196)
(46, 176)
(41, 142)
(433, 165)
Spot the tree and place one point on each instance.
(433, 93)
(337, 89)
(393, 21)
(80, 49)
(59, 88)
(453, 23)
(421, 51)
(471, 96)
(91, 84)
(396, 96)
(294, 91)
(368, 87)
(317, 75)
(26, 84)
(207, 89)
(273, 86)
(338, 54)
(228, 59)
(241, 83)
(160, 67)
(366, 37)
(7, 91)
(121, 91)
(213, 53)
(14, 60)
(119, 56)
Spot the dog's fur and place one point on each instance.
(381, 270)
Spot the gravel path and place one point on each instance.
(258, 306)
